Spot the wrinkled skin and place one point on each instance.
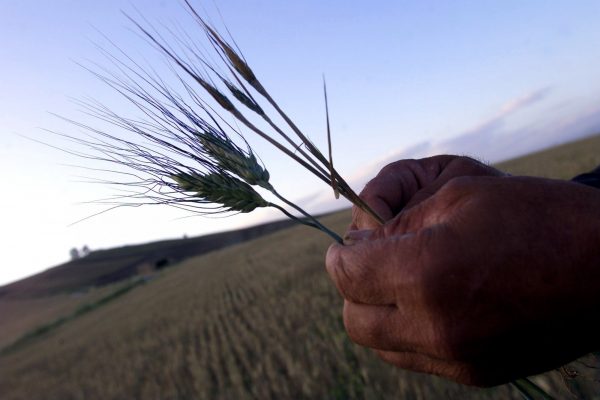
(476, 276)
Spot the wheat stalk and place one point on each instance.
(309, 156)
(183, 153)
(185, 157)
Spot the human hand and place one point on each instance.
(486, 280)
(404, 183)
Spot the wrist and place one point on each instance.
(591, 178)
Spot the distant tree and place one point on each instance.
(74, 252)
(85, 250)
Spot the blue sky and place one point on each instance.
(405, 79)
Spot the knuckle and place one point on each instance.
(371, 188)
(473, 167)
(348, 275)
(458, 186)
(391, 168)
(382, 178)
(467, 162)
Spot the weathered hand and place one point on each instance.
(405, 183)
(481, 280)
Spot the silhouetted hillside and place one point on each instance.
(103, 267)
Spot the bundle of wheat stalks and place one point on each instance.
(185, 153)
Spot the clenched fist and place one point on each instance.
(476, 276)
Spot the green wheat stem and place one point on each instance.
(307, 215)
(345, 189)
(334, 185)
(313, 223)
(240, 117)
(247, 99)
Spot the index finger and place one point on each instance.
(394, 186)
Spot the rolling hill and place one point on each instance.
(104, 267)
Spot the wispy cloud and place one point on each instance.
(524, 101)
(496, 138)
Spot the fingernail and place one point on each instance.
(357, 235)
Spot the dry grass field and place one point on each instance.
(256, 320)
(560, 162)
(19, 316)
